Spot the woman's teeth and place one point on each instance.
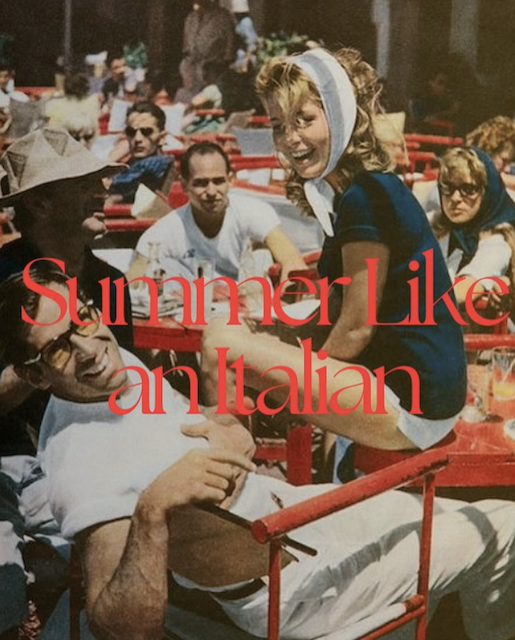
(300, 155)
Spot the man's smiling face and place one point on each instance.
(90, 373)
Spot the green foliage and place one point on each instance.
(279, 44)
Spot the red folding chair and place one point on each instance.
(270, 529)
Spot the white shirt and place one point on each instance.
(97, 462)
(181, 240)
(5, 98)
(491, 259)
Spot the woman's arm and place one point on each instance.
(284, 251)
(491, 260)
(350, 333)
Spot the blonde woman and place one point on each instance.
(476, 225)
(322, 109)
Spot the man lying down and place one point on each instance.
(123, 484)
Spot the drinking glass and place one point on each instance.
(503, 373)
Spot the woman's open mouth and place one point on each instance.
(301, 157)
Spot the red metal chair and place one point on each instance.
(433, 140)
(270, 529)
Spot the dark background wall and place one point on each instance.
(419, 36)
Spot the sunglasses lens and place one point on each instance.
(89, 314)
(57, 354)
(468, 190)
(465, 190)
(131, 132)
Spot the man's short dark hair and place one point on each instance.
(152, 109)
(14, 294)
(202, 149)
(5, 65)
(115, 54)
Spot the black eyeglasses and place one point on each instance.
(465, 190)
(58, 351)
(131, 132)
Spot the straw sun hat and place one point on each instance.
(44, 156)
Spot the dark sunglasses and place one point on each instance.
(58, 351)
(131, 132)
(465, 190)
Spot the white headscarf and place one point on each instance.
(339, 103)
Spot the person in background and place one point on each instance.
(476, 225)
(81, 127)
(496, 137)
(435, 101)
(210, 97)
(77, 111)
(148, 165)
(8, 93)
(159, 88)
(114, 84)
(208, 35)
(7, 90)
(246, 37)
(214, 224)
(50, 180)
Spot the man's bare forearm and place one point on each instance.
(126, 561)
(135, 597)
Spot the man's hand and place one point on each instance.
(225, 433)
(94, 227)
(199, 476)
(222, 432)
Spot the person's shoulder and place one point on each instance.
(379, 187)
(247, 205)
(386, 179)
(157, 160)
(19, 96)
(129, 359)
(170, 223)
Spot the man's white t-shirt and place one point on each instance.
(6, 97)
(181, 240)
(98, 462)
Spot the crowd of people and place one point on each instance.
(119, 485)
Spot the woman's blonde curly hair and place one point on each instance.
(280, 79)
(494, 136)
(462, 160)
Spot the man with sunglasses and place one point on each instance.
(124, 487)
(53, 183)
(148, 164)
